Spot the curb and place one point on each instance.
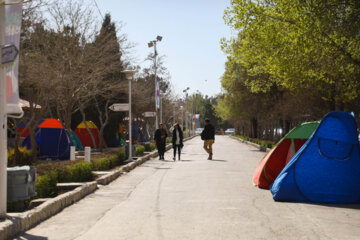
(20, 222)
(261, 148)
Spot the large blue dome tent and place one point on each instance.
(53, 141)
(327, 168)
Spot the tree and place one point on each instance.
(299, 44)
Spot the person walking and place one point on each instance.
(208, 135)
(160, 139)
(177, 140)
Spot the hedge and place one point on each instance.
(139, 151)
(79, 171)
(268, 144)
(107, 163)
(45, 185)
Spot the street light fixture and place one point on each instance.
(157, 87)
(129, 74)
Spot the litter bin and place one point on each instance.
(21, 183)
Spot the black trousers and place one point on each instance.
(178, 147)
(161, 149)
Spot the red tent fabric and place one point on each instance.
(274, 162)
(85, 137)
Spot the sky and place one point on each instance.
(191, 31)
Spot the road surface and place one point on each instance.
(197, 199)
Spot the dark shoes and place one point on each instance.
(210, 156)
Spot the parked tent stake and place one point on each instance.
(72, 153)
(87, 154)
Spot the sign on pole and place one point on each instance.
(120, 107)
(149, 114)
(13, 14)
(8, 54)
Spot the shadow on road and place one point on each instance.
(330, 205)
(256, 150)
(216, 160)
(162, 168)
(30, 237)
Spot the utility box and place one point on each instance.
(21, 182)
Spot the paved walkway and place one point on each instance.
(197, 199)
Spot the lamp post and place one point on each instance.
(3, 122)
(161, 106)
(157, 88)
(129, 76)
(186, 99)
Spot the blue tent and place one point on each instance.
(327, 168)
(53, 141)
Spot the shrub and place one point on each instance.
(102, 164)
(114, 161)
(24, 157)
(139, 151)
(80, 172)
(122, 155)
(45, 185)
(147, 147)
(153, 146)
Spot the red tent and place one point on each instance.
(85, 137)
(273, 163)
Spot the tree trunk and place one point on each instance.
(82, 111)
(103, 122)
(254, 128)
(287, 127)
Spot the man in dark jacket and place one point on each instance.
(177, 140)
(160, 139)
(208, 135)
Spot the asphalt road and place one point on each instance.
(197, 199)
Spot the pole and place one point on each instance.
(186, 121)
(161, 109)
(3, 122)
(155, 69)
(130, 128)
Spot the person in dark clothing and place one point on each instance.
(160, 138)
(177, 140)
(208, 135)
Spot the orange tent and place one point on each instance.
(272, 164)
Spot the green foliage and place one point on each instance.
(121, 156)
(45, 185)
(102, 164)
(80, 172)
(291, 61)
(153, 146)
(297, 45)
(150, 147)
(24, 157)
(147, 147)
(110, 162)
(140, 151)
(268, 144)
